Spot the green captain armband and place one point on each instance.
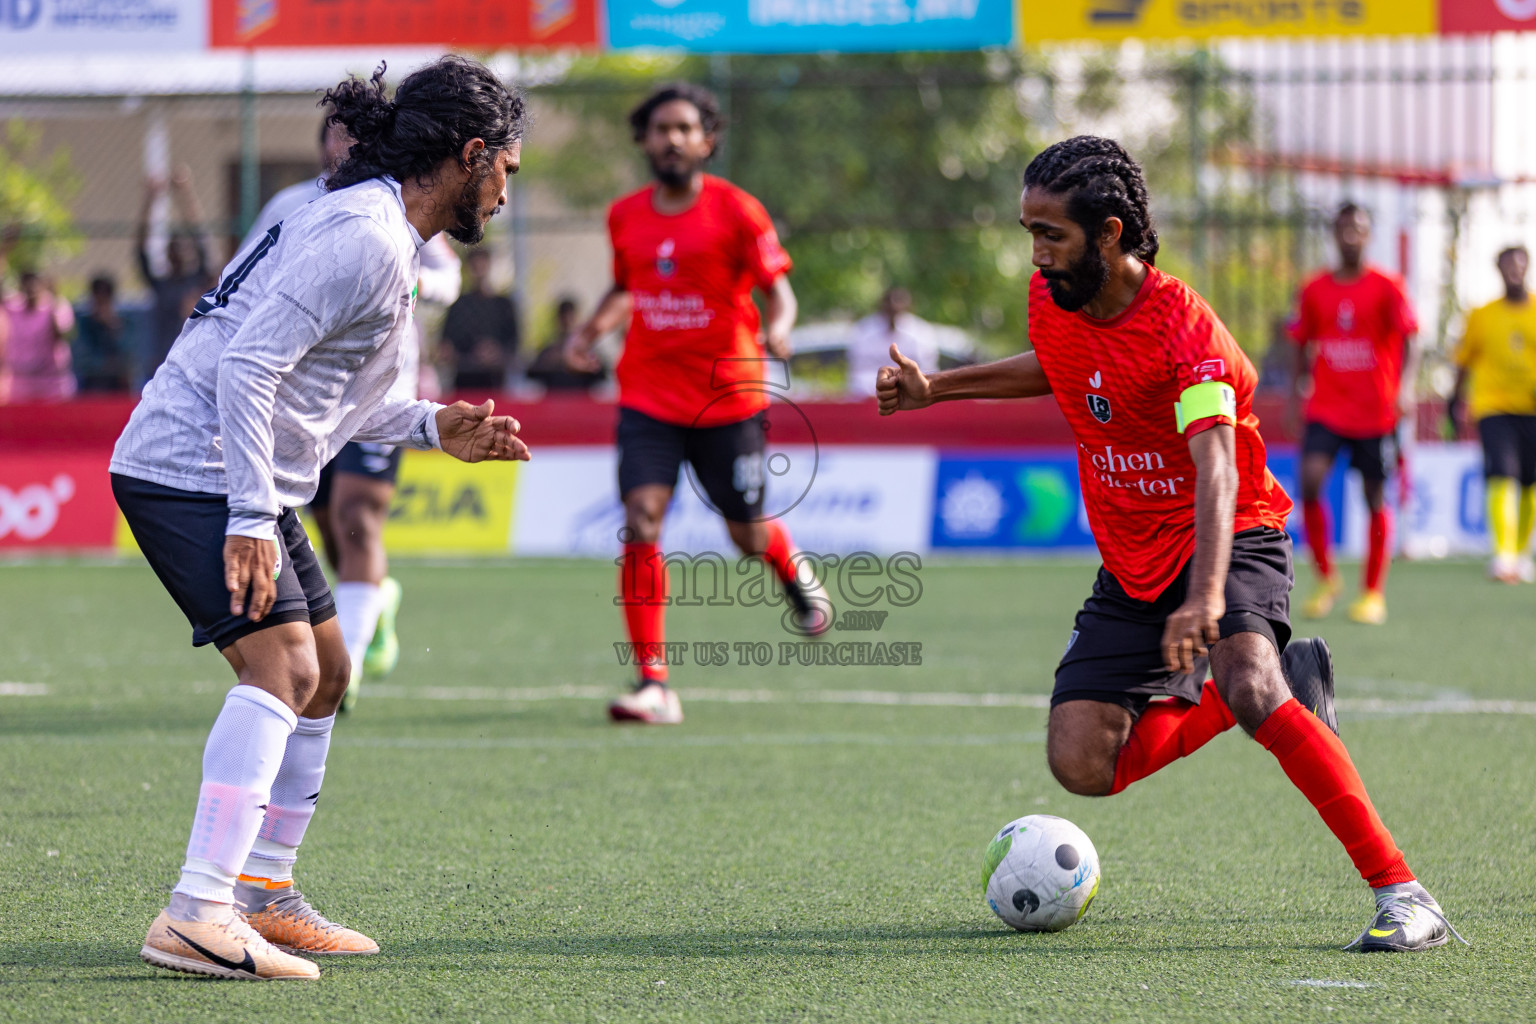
(1203, 401)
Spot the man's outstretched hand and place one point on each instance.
(471, 434)
(903, 386)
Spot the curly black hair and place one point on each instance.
(1100, 180)
(436, 110)
(702, 99)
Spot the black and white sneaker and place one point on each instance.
(1308, 666)
(810, 608)
(1407, 920)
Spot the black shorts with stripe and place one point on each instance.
(1115, 653)
(182, 535)
(1373, 457)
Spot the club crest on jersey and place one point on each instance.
(1345, 316)
(666, 266)
(1099, 406)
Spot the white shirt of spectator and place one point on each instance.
(869, 348)
(292, 355)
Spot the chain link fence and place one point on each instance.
(880, 169)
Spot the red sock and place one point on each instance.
(643, 589)
(1315, 516)
(780, 553)
(1314, 759)
(1169, 730)
(1377, 559)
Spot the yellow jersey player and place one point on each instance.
(1496, 361)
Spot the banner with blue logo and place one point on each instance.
(1031, 499)
(809, 26)
(1016, 499)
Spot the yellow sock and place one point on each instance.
(1502, 514)
(1527, 519)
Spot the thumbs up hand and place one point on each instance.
(903, 386)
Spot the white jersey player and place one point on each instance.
(293, 354)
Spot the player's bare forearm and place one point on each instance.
(1192, 628)
(782, 309)
(905, 386)
(1409, 386)
(1017, 376)
(1454, 404)
(610, 314)
(1215, 455)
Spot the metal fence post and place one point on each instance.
(250, 153)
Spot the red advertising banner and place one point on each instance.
(1463, 16)
(56, 500)
(473, 24)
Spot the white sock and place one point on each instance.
(357, 612)
(240, 761)
(294, 793)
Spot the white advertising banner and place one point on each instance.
(834, 500)
(1445, 512)
(102, 26)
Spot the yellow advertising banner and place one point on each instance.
(442, 507)
(446, 507)
(1042, 21)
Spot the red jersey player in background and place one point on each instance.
(1354, 331)
(1188, 519)
(688, 250)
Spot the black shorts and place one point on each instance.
(726, 461)
(375, 461)
(1509, 447)
(182, 535)
(1115, 653)
(1372, 456)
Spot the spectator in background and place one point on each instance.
(870, 345)
(549, 367)
(36, 359)
(188, 266)
(481, 331)
(100, 357)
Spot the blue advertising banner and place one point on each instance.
(809, 26)
(1030, 499)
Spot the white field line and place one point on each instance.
(23, 689)
(888, 698)
(879, 697)
(614, 740)
(1326, 983)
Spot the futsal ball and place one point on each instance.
(1040, 873)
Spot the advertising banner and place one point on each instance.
(102, 26)
(56, 502)
(848, 499)
(1030, 499)
(446, 507)
(516, 24)
(1043, 21)
(808, 26)
(1487, 16)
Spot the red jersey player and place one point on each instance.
(1358, 325)
(687, 252)
(1197, 567)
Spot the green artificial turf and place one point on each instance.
(801, 849)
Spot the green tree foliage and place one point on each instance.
(35, 221)
(879, 169)
(886, 169)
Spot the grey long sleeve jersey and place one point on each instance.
(291, 356)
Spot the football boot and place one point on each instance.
(1308, 666)
(228, 948)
